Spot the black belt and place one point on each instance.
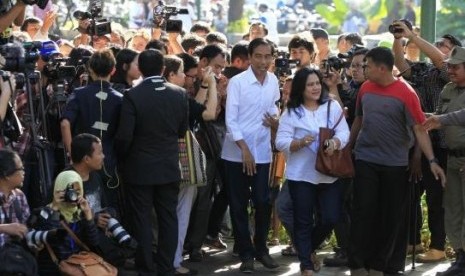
(456, 152)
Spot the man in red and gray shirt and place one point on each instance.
(388, 118)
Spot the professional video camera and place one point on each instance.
(283, 65)
(97, 27)
(16, 58)
(40, 3)
(162, 14)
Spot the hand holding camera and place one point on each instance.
(85, 208)
(208, 76)
(401, 28)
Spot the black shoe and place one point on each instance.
(247, 266)
(339, 259)
(196, 256)
(267, 261)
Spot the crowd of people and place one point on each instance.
(159, 135)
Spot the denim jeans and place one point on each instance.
(305, 197)
(241, 189)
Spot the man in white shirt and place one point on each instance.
(250, 106)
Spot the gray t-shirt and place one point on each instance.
(389, 113)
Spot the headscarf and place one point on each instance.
(69, 211)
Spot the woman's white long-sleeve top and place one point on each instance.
(300, 164)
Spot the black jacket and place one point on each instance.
(154, 115)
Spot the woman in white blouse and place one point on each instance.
(298, 137)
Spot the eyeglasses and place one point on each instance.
(194, 78)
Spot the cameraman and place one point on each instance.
(95, 109)
(302, 50)
(8, 15)
(428, 79)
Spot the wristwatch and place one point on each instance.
(434, 160)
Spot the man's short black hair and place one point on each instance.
(260, 41)
(192, 41)
(259, 24)
(82, 145)
(200, 26)
(354, 38)
(319, 33)
(212, 51)
(216, 37)
(298, 41)
(240, 50)
(381, 56)
(157, 44)
(102, 62)
(151, 63)
(189, 61)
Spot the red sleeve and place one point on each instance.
(412, 103)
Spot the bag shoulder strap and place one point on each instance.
(52, 254)
(74, 237)
(327, 117)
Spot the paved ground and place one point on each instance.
(223, 263)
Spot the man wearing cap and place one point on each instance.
(451, 104)
(428, 79)
(321, 38)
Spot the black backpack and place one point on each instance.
(16, 259)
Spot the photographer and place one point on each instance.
(428, 79)
(302, 50)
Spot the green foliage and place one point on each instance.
(450, 18)
(238, 26)
(334, 15)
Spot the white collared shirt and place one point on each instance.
(246, 105)
(300, 165)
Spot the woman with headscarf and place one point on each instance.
(70, 206)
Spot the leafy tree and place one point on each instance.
(450, 18)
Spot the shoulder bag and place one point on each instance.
(85, 263)
(340, 163)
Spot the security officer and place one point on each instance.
(452, 99)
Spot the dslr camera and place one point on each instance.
(97, 27)
(71, 195)
(161, 17)
(283, 65)
(393, 28)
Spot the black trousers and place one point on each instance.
(434, 195)
(378, 236)
(141, 200)
(220, 204)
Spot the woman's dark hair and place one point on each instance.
(123, 61)
(299, 83)
(7, 162)
(172, 64)
(81, 146)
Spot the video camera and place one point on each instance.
(283, 65)
(97, 27)
(161, 15)
(15, 57)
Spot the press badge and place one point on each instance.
(102, 95)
